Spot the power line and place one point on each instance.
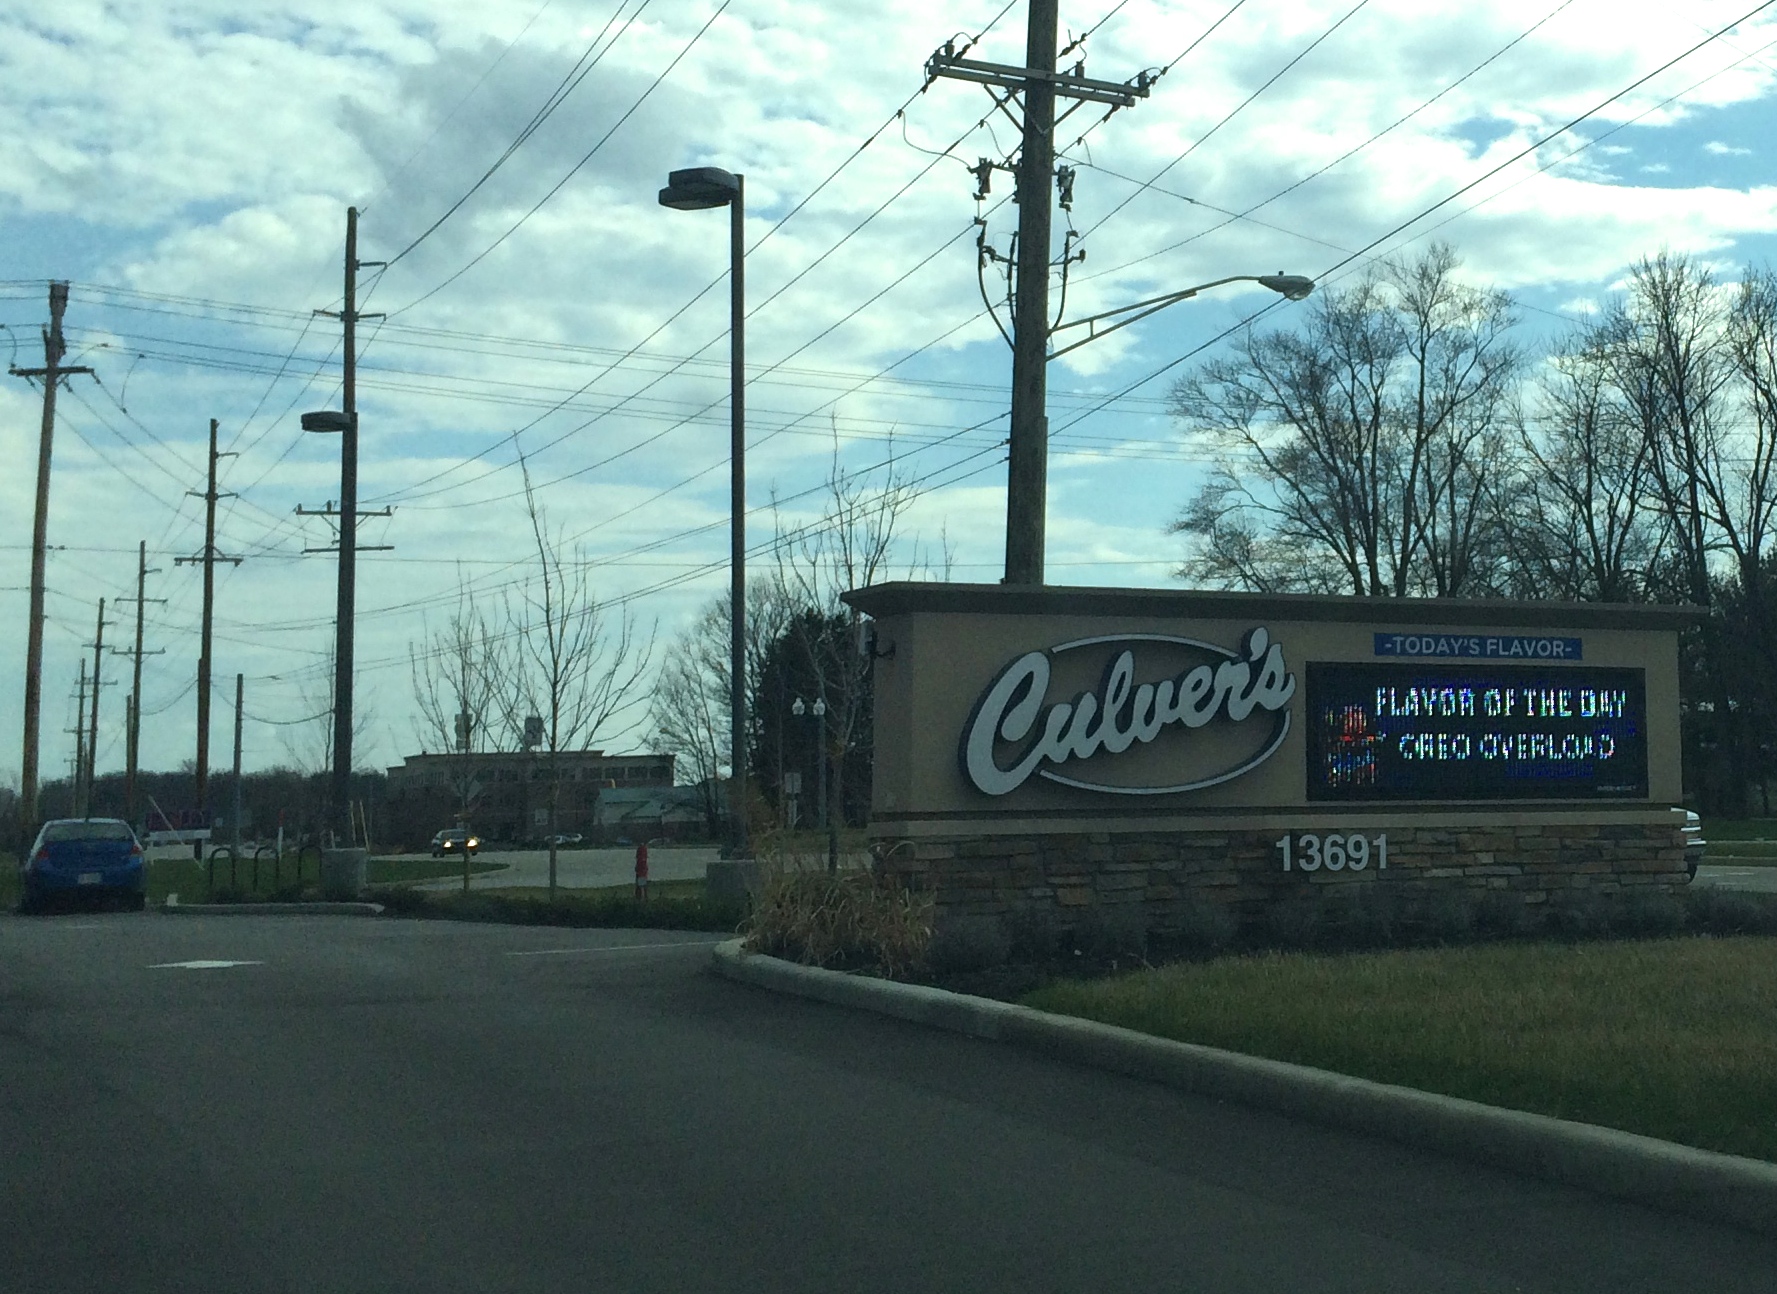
(1440, 203)
(467, 95)
(628, 112)
(1349, 153)
(566, 86)
(1237, 110)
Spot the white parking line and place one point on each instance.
(615, 948)
(201, 965)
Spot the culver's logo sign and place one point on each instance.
(1248, 685)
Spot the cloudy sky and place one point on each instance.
(186, 165)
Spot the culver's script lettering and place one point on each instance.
(1122, 713)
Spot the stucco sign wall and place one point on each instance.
(1068, 706)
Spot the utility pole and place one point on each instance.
(75, 798)
(133, 734)
(1039, 84)
(52, 373)
(92, 741)
(345, 423)
(234, 816)
(1027, 466)
(209, 557)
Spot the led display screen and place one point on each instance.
(1400, 731)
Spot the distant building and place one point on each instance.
(508, 791)
(646, 813)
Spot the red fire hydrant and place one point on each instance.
(642, 870)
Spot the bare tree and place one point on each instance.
(1364, 451)
(459, 676)
(1587, 529)
(1672, 363)
(571, 664)
(852, 545)
(690, 711)
(309, 740)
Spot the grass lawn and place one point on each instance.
(1673, 1038)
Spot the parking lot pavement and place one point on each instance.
(579, 869)
(1727, 876)
(264, 1105)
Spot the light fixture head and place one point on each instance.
(820, 706)
(699, 188)
(1293, 286)
(327, 420)
(797, 708)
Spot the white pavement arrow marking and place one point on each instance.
(201, 965)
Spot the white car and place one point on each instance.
(1694, 844)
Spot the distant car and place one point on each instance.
(453, 840)
(91, 858)
(567, 838)
(1694, 844)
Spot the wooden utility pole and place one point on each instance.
(1039, 85)
(346, 611)
(133, 734)
(234, 815)
(75, 798)
(346, 424)
(1027, 466)
(92, 741)
(209, 557)
(52, 373)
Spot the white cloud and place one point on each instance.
(1720, 149)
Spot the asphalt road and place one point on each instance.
(382, 1106)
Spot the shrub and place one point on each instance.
(1586, 916)
(962, 944)
(1293, 923)
(1207, 928)
(1113, 933)
(1449, 918)
(1034, 936)
(1653, 914)
(1730, 912)
(849, 921)
(1502, 914)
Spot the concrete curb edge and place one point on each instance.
(1661, 1174)
(343, 909)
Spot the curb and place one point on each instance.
(346, 909)
(1624, 1165)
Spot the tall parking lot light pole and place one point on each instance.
(699, 189)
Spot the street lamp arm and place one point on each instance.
(1292, 286)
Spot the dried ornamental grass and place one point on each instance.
(853, 921)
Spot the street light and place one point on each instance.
(819, 710)
(1027, 455)
(698, 189)
(1293, 287)
(346, 424)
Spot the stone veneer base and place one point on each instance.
(1059, 877)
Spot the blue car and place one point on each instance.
(90, 858)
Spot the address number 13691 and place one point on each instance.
(1309, 852)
